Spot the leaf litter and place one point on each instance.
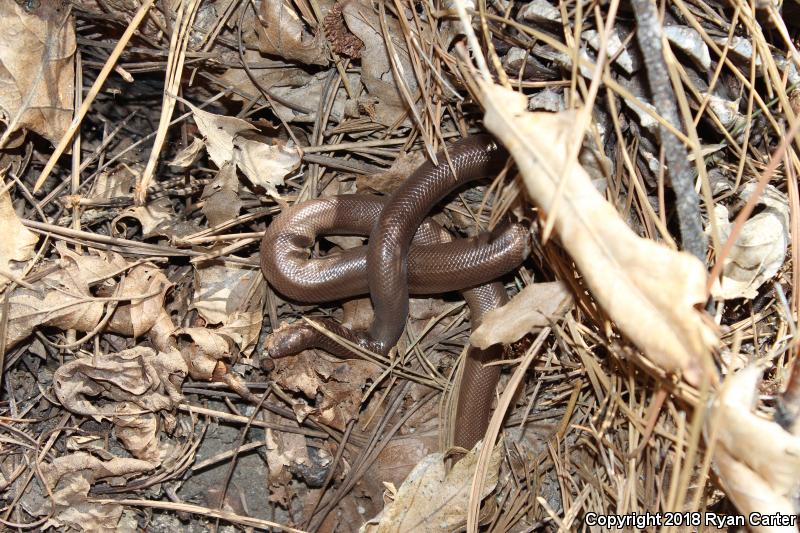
(637, 377)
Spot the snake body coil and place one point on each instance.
(405, 254)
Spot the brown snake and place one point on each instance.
(405, 253)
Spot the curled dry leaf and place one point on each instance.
(63, 298)
(283, 34)
(18, 241)
(221, 196)
(758, 462)
(336, 386)
(536, 306)
(68, 298)
(155, 217)
(203, 349)
(135, 318)
(139, 376)
(376, 67)
(138, 433)
(36, 69)
(189, 155)
(285, 452)
(432, 498)
(760, 247)
(649, 291)
(70, 477)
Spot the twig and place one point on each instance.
(687, 201)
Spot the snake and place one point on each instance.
(406, 253)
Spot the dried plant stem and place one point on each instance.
(687, 201)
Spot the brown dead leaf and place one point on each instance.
(115, 183)
(71, 476)
(134, 319)
(650, 291)
(400, 457)
(157, 218)
(376, 67)
(138, 433)
(203, 349)
(63, 298)
(208, 341)
(222, 202)
(71, 297)
(282, 33)
(285, 451)
(189, 155)
(149, 379)
(389, 180)
(243, 326)
(536, 306)
(151, 216)
(433, 499)
(758, 462)
(18, 241)
(36, 69)
(232, 140)
(337, 386)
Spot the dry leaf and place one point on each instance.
(138, 433)
(18, 241)
(149, 379)
(757, 461)
(230, 139)
(115, 183)
(760, 247)
(376, 67)
(265, 164)
(36, 68)
(336, 386)
(218, 133)
(63, 299)
(285, 451)
(68, 297)
(649, 291)
(222, 202)
(220, 291)
(70, 477)
(536, 306)
(400, 457)
(432, 499)
(283, 34)
(154, 217)
(134, 319)
(189, 155)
